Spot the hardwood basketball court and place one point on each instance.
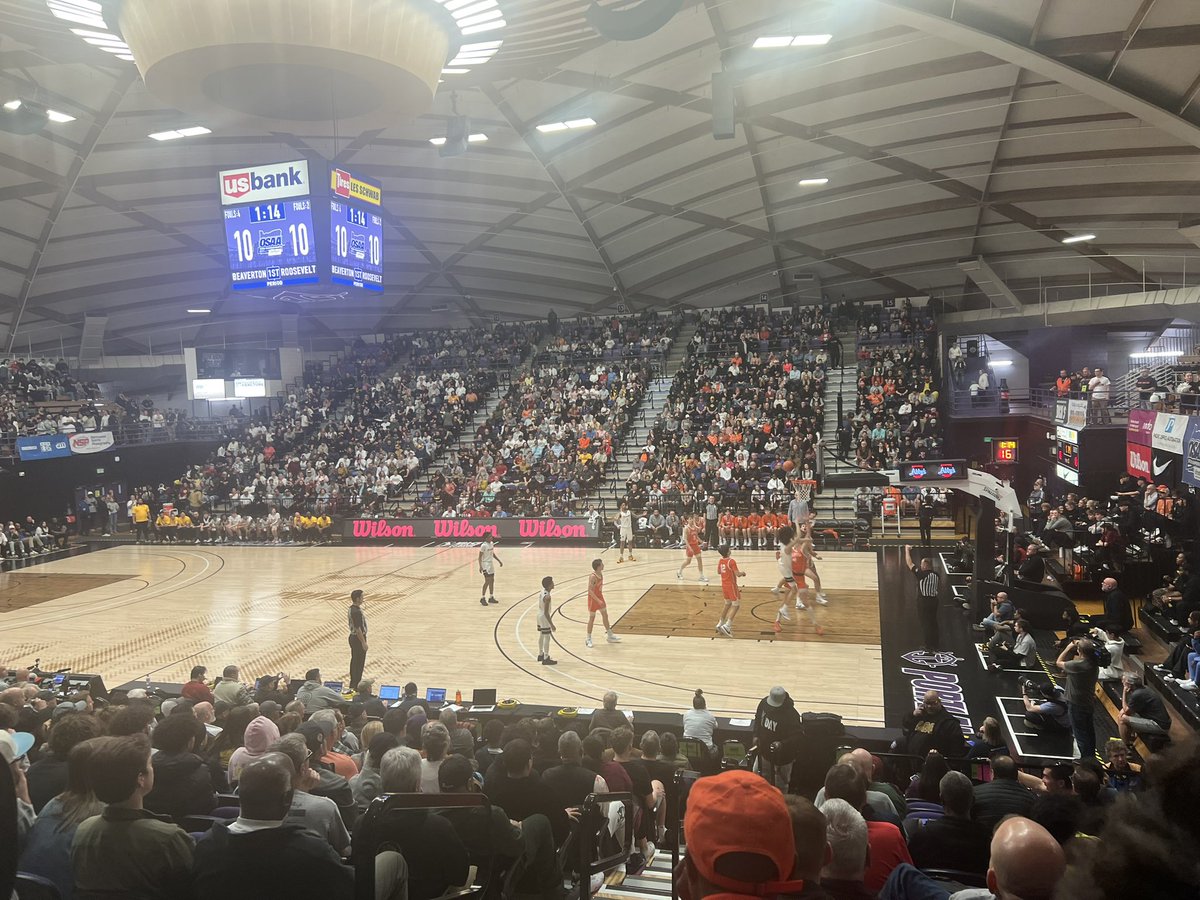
(130, 611)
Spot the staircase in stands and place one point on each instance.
(840, 382)
(651, 883)
(653, 403)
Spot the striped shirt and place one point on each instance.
(927, 582)
(357, 620)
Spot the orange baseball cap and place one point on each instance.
(740, 812)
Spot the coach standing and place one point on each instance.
(928, 586)
(357, 621)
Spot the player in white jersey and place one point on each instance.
(786, 536)
(809, 553)
(625, 533)
(487, 568)
(544, 626)
(272, 523)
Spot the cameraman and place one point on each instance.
(1080, 662)
(1045, 707)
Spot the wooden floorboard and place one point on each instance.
(132, 611)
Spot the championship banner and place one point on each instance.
(1191, 453)
(92, 441)
(1141, 427)
(471, 530)
(46, 446)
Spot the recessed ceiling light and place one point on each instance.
(12, 105)
(1078, 238)
(464, 12)
(455, 71)
(85, 12)
(551, 127)
(176, 134)
(767, 42)
(471, 139)
(586, 122)
(199, 311)
(811, 40)
(813, 182)
(55, 116)
(194, 131)
(490, 15)
(791, 40)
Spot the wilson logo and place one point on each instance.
(550, 528)
(379, 528)
(462, 528)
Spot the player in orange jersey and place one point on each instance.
(741, 529)
(808, 553)
(728, 569)
(767, 523)
(753, 522)
(596, 604)
(726, 525)
(693, 530)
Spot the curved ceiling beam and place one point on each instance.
(1026, 58)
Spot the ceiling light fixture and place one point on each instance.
(813, 182)
(471, 139)
(12, 105)
(177, 133)
(55, 116)
(552, 127)
(775, 42)
(1078, 238)
(199, 311)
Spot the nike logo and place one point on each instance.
(1158, 470)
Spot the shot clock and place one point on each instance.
(1006, 451)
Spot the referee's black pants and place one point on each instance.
(926, 531)
(927, 615)
(358, 660)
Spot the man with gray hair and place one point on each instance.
(846, 833)
(318, 815)
(461, 739)
(877, 799)
(609, 716)
(435, 741)
(953, 841)
(570, 781)
(400, 771)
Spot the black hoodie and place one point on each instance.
(274, 862)
(182, 786)
(778, 730)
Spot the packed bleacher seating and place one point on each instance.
(250, 787)
(28, 537)
(645, 336)
(743, 417)
(898, 323)
(41, 396)
(896, 414)
(545, 446)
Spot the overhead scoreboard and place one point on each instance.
(355, 231)
(269, 226)
(273, 239)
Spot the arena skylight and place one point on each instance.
(471, 139)
(552, 127)
(773, 42)
(177, 133)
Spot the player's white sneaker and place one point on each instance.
(703, 580)
(613, 639)
(679, 574)
(720, 628)
(727, 629)
(783, 613)
(588, 642)
(821, 599)
(800, 605)
(775, 590)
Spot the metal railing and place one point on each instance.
(144, 434)
(1042, 404)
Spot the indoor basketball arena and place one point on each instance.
(536, 449)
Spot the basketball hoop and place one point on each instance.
(806, 488)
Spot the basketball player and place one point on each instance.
(808, 554)
(625, 533)
(786, 537)
(544, 626)
(727, 526)
(767, 524)
(692, 530)
(487, 568)
(728, 569)
(799, 561)
(741, 528)
(753, 528)
(596, 602)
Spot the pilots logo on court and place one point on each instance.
(932, 659)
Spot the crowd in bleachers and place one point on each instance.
(545, 446)
(899, 323)
(610, 339)
(238, 789)
(743, 417)
(27, 384)
(896, 414)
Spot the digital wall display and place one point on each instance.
(1006, 451)
(249, 387)
(1066, 452)
(208, 388)
(933, 470)
(355, 231)
(271, 244)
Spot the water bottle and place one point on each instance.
(149, 686)
(458, 698)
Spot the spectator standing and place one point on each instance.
(1079, 663)
(357, 623)
(777, 735)
(1098, 390)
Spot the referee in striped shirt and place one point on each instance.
(928, 585)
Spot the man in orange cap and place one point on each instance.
(740, 841)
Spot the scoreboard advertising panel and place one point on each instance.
(355, 231)
(274, 240)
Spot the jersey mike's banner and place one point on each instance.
(471, 529)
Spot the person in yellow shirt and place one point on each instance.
(299, 527)
(185, 528)
(164, 528)
(141, 521)
(323, 524)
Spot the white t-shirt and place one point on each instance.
(625, 522)
(699, 724)
(1098, 387)
(543, 619)
(485, 557)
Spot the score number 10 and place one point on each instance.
(298, 233)
(374, 249)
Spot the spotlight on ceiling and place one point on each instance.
(1078, 238)
(813, 182)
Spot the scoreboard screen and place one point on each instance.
(355, 231)
(271, 244)
(1066, 454)
(1006, 451)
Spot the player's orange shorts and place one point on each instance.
(692, 550)
(596, 603)
(740, 523)
(730, 592)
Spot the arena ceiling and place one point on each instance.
(948, 130)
